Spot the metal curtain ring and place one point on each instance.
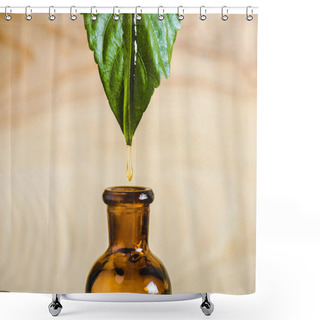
(224, 16)
(203, 13)
(180, 13)
(93, 16)
(52, 17)
(73, 17)
(6, 15)
(116, 15)
(28, 15)
(138, 16)
(249, 17)
(160, 15)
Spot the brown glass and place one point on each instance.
(128, 264)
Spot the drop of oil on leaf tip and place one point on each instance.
(129, 169)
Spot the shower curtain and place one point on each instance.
(62, 145)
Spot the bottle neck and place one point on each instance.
(128, 226)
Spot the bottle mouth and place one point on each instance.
(122, 195)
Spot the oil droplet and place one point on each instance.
(129, 170)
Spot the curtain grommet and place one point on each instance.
(73, 16)
(160, 15)
(249, 17)
(138, 16)
(28, 15)
(180, 13)
(203, 13)
(51, 17)
(224, 13)
(116, 15)
(7, 16)
(93, 15)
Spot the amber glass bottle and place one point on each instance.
(128, 264)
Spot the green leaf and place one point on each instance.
(131, 55)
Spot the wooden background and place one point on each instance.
(60, 146)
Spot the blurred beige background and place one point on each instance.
(60, 146)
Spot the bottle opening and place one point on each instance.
(127, 189)
(122, 195)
